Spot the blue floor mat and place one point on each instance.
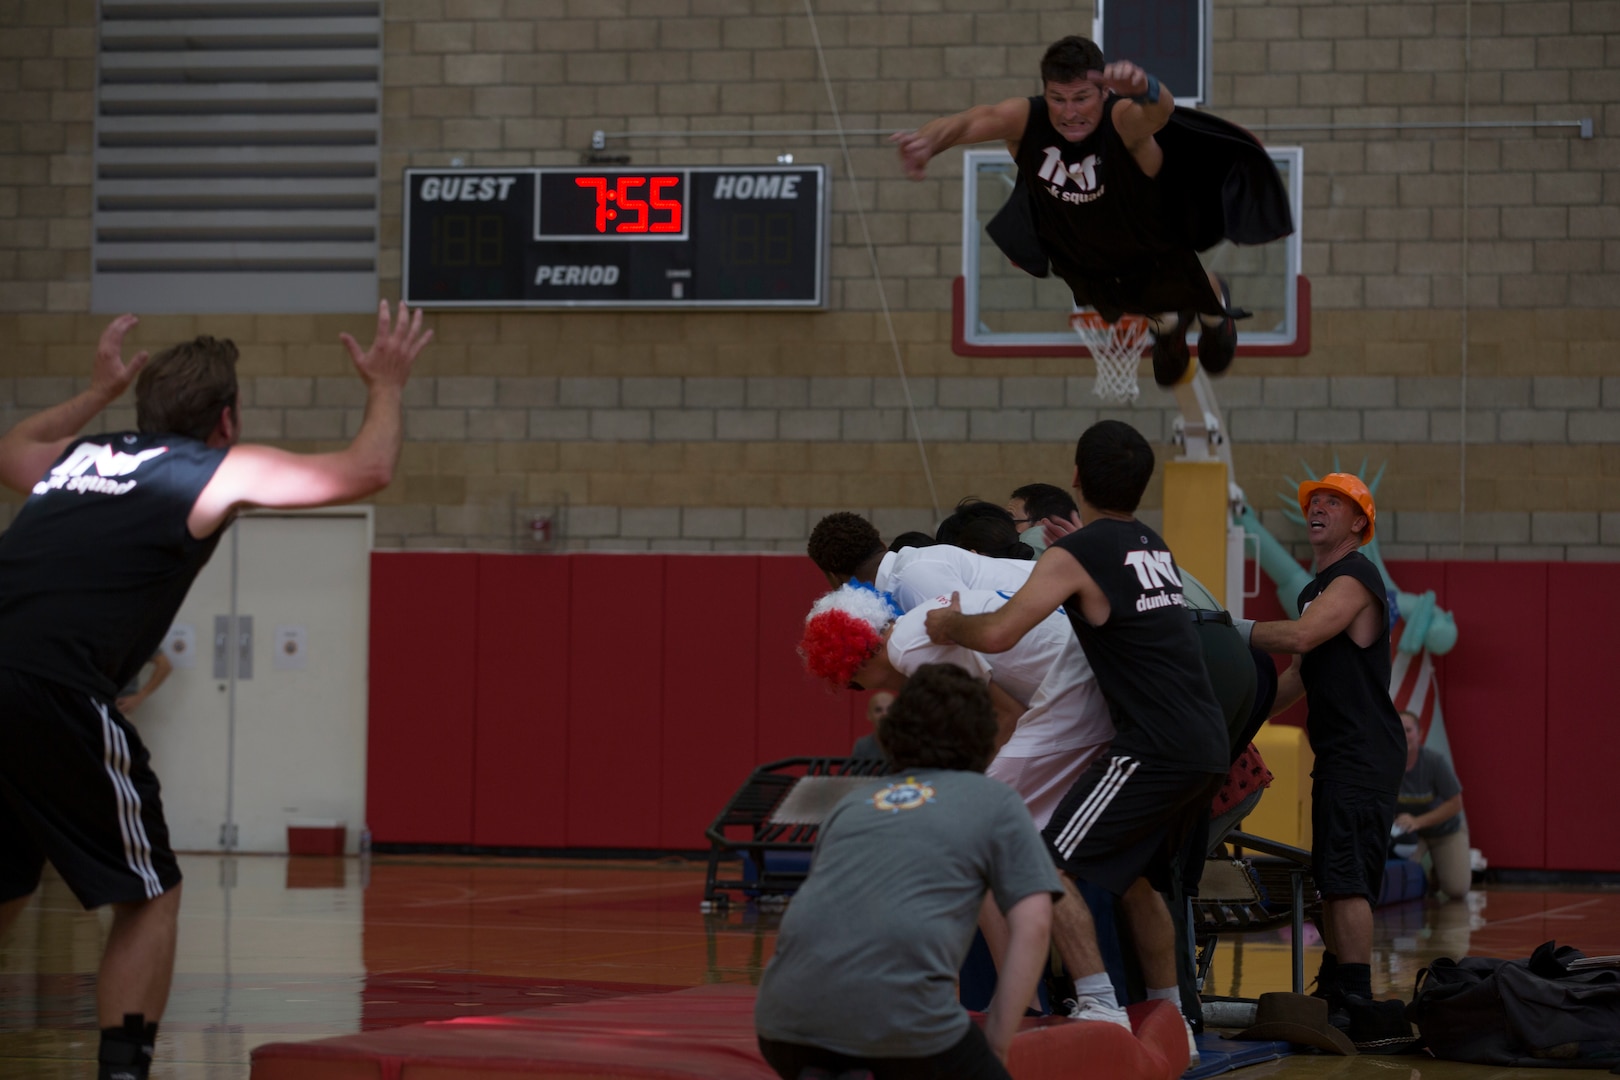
(1218, 1055)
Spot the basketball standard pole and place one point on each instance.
(1200, 495)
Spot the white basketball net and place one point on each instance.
(1117, 348)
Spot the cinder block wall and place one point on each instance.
(735, 431)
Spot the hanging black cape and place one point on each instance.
(1219, 176)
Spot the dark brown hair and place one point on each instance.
(186, 387)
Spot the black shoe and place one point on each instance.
(1217, 344)
(1170, 355)
(1379, 1027)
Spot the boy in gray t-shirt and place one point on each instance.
(867, 958)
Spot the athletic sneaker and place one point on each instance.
(1092, 1009)
(1192, 1045)
(1379, 1027)
(1218, 344)
(1170, 355)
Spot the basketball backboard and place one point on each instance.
(1001, 311)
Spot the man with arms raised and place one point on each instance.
(1342, 667)
(92, 571)
(1122, 825)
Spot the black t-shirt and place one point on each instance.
(1354, 729)
(98, 560)
(1147, 658)
(1103, 222)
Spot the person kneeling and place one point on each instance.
(864, 975)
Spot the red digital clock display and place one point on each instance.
(611, 205)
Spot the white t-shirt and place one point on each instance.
(919, 575)
(1046, 671)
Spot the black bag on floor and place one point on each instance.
(1534, 1012)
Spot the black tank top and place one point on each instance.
(1147, 657)
(1354, 729)
(1096, 212)
(98, 560)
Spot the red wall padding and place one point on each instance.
(710, 690)
(522, 678)
(1494, 692)
(617, 701)
(1583, 753)
(419, 751)
(615, 698)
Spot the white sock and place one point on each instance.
(1172, 994)
(1098, 988)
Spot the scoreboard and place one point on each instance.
(692, 237)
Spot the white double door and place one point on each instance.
(266, 726)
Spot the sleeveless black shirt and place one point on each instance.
(1354, 728)
(98, 560)
(1103, 222)
(1147, 657)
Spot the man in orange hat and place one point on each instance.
(1341, 664)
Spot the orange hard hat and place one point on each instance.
(1345, 484)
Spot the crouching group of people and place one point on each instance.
(1107, 696)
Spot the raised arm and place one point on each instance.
(265, 476)
(1142, 109)
(27, 450)
(1003, 122)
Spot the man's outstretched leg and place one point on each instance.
(132, 987)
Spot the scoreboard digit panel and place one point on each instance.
(696, 237)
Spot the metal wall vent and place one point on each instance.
(237, 156)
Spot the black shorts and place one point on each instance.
(970, 1059)
(1349, 838)
(1125, 819)
(76, 789)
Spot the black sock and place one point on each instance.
(1356, 979)
(126, 1051)
(1327, 976)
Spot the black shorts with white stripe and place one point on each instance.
(1126, 819)
(77, 790)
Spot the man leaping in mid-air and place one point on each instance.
(1118, 191)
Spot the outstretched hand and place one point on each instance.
(1122, 77)
(938, 621)
(111, 376)
(387, 362)
(916, 150)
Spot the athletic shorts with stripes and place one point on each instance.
(77, 790)
(1126, 819)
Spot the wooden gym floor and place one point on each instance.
(275, 949)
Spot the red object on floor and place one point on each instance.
(706, 1033)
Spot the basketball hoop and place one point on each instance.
(1117, 348)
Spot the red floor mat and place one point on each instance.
(706, 1033)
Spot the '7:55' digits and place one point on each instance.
(617, 205)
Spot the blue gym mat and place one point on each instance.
(1217, 1055)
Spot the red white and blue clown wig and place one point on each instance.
(844, 630)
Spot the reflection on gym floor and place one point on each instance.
(275, 949)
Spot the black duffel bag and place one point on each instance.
(1534, 1012)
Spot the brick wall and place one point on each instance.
(735, 430)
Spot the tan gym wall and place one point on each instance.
(735, 431)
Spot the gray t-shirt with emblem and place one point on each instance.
(1429, 783)
(867, 958)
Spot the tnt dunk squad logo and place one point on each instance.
(73, 473)
(909, 794)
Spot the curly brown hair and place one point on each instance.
(941, 720)
(841, 542)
